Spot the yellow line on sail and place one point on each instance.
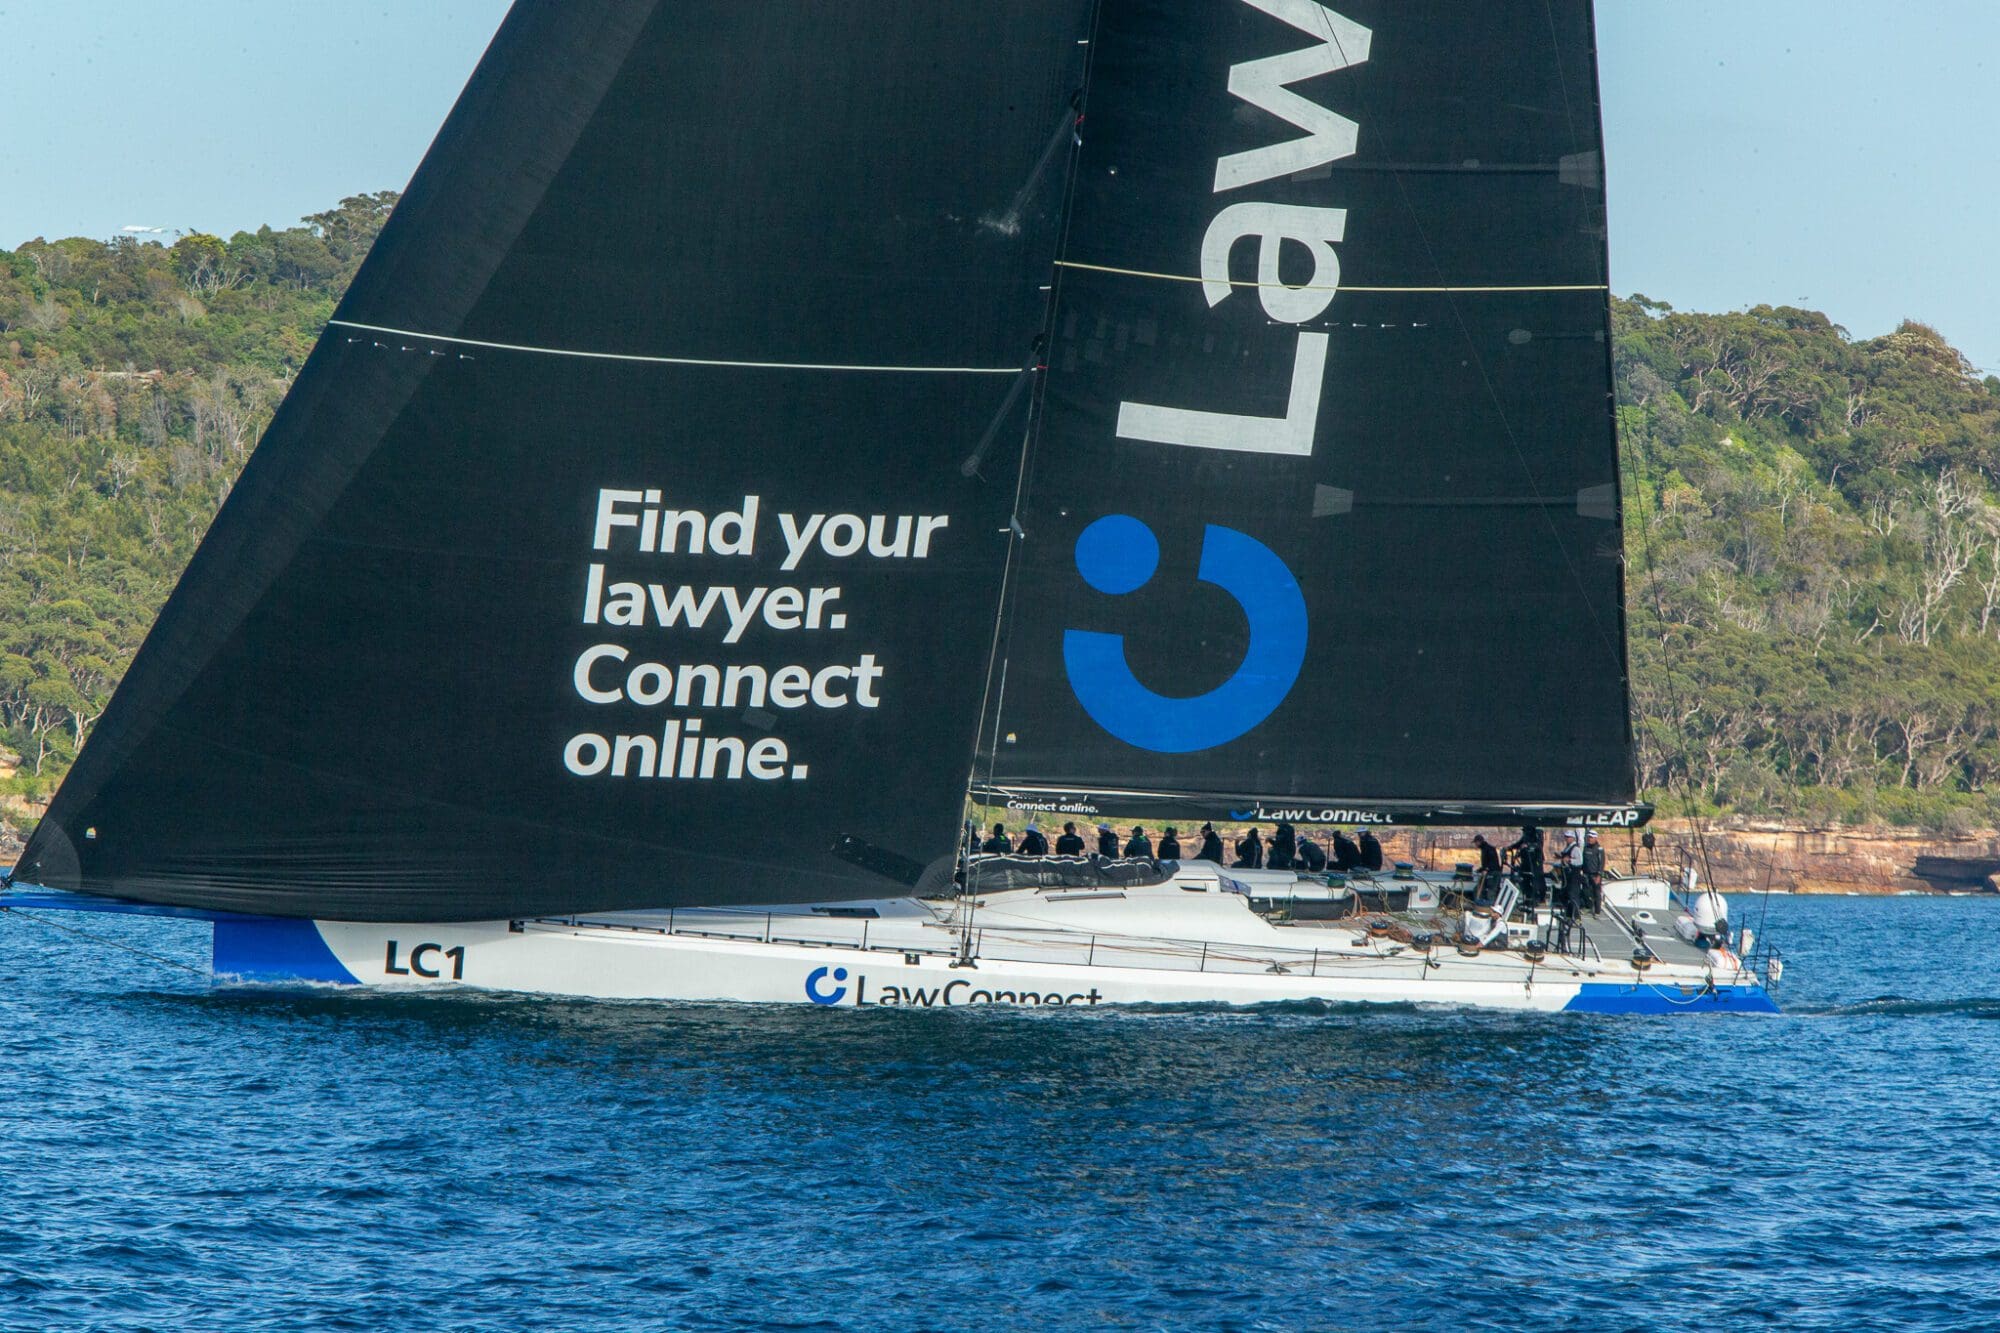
(1237, 282)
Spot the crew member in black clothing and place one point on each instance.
(1139, 844)
(1170, 844)
(1527, 853)
(1069, 844)
(1107, 841)
(1033, 843)
(997, 845)
(1211, 845)
(1284, 847)
(1371, 851)
(1593, 873)
(1311, 858)
(1250, 851)
(1346, 856)
(1489, 855)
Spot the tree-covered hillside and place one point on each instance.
(1814, 529)
(134, 380)
(1814, 565)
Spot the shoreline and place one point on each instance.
(1744, 855)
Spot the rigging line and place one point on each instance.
(104, 940)
(996, 662)
(1604, 221)
(996, 659)
(1338, 287)
(634, 358)
(1614, 647)
(1675, 701)
(1562, 78)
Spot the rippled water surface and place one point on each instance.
(173, 1156)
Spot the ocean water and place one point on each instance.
(174, 1156)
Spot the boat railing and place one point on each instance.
(765, 931)
(1758, 962)
(1036, 944)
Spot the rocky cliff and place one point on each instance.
(1755, 855)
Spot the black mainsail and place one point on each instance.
(1321, 518)
(635, 536)
(614, 548)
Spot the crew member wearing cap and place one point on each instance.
(1211, 845)
(1593, 872)
(1107, 841)
(1570, 858)
(1033, 843)
(1139, 844)
(1170, 844)
(1371, 851)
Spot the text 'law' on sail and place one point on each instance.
(1266, 83)
(630, 523)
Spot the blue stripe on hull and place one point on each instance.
(1599, 997)
(274, 949)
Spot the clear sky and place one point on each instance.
(1839, 154)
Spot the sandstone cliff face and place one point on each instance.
(1836, 860)
(1745, 855)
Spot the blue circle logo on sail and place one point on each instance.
(1118, 555)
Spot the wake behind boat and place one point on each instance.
(761, 430)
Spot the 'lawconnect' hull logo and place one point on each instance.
(950, 995)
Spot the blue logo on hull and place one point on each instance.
(818, 996)
(1118, 555)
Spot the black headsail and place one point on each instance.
(1321, 516)
(615, 547)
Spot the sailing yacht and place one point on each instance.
(764, 428)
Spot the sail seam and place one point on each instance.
(1343, 287)
(672, 360)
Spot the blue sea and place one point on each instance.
(175, 1156)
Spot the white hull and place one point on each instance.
(1189, 941)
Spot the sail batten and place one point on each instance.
(643, 359)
